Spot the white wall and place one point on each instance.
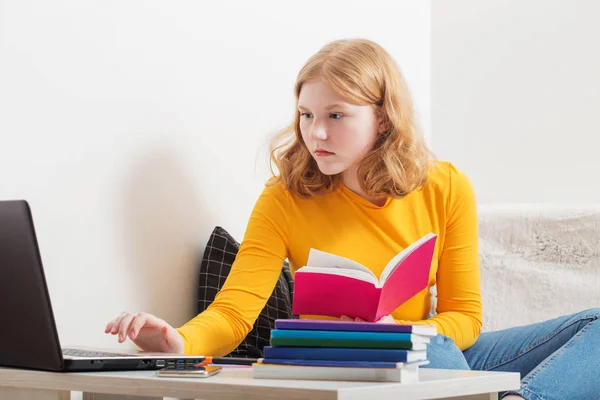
(516, 95)
(134, 127)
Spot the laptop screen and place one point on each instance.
(28, 337)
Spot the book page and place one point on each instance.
(350, 273)
(397, 260)
(322, 259)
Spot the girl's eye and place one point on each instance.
(332, 115)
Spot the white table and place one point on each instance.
(17, 384)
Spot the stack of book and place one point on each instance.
(349, 351)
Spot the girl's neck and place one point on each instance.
(351, 182)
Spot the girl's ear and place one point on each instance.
(383, 122)
(384, 125)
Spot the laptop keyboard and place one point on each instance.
(87, 353)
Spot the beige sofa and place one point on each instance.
(537, 262)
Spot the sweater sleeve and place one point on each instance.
(459, 310)
(227, 320)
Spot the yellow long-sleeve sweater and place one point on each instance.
(283, 225)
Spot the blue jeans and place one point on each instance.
(557, 359)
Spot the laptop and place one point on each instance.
(28, 335)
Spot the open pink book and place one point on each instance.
(333, 286)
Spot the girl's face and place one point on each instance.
(338, 134)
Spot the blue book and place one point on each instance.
(344, 354)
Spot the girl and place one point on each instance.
(355, 178)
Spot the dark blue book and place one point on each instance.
(344, 354)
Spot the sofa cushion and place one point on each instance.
(219, 254)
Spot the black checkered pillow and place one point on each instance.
(219, 254)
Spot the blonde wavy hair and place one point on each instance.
(363, 73)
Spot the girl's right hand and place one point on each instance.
(148, 332)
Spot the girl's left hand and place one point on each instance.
(388, 319)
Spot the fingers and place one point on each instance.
(138, 323)
(124, 326)
(120, 325)
(129, 324)
(113, 326)
(350, 319)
